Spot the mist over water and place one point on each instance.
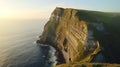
(18, 47)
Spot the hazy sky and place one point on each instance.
(35, 9)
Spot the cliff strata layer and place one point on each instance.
(70, 36)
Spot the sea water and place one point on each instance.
(18, 47)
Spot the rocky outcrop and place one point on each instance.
(70, 36)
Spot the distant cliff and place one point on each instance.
(80, 35)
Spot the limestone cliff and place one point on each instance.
(70, 36)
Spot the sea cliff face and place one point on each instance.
(83, 36)
(70, 36)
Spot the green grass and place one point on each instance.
(110, 38)
(88, 65)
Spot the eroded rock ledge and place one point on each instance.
(67, 30)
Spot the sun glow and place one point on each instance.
(6, 11)
(14, 11)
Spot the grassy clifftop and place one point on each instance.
(109, 38)
(89, 65)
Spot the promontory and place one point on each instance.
(83, 36)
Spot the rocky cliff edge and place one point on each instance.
(70, 36)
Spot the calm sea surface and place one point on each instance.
(18, 47)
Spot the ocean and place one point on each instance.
(18, 47)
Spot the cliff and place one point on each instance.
(76, 34)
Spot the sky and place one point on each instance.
(36, 9)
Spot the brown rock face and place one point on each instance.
(70, 37)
